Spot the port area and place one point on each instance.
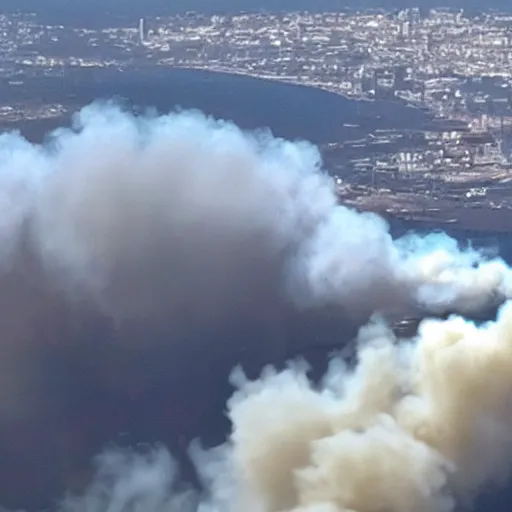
(436, 213)
(473, 198)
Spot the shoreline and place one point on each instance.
(289, 80)
(225, 70)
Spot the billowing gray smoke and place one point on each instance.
(162, 246)
(184, 216)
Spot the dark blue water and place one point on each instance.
(293, 112)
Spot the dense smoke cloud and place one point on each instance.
(145, 215)
(137, 251)
(415, 425)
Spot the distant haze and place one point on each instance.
(136, 7)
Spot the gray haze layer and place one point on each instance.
(132, 7)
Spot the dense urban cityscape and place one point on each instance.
(455, 67)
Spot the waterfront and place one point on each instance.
(290, 111)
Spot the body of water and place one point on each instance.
(291, 111)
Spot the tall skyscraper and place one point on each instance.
(405, 29)
(142, 31)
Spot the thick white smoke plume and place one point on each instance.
(150, 251)
(147, 214)
(415, 426)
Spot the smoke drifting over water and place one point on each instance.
(186, 237)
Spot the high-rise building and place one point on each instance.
(142, 30)
(405, 29)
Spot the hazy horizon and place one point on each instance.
(134, 7)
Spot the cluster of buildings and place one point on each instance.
(435, 58)
(455, 66)
(423, 175)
